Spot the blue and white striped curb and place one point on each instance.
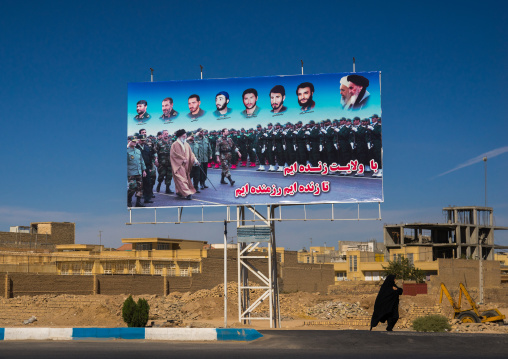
(176, 334)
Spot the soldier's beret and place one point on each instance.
(348, 120)
(366, 120)
(199, 129)
(358, 80)
(343, 119)
(243, 129)
(180, 133)
(269, 124)
(299, 123)
(374, 116)
(312, 122)
(278, 124)
(189, 134)
(142, 137)
(251, 129)
(356, 119)
(288, 124)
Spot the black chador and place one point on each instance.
(386, 307)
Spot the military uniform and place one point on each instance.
(270, 148)
(148, 155)
(251, 147)
(167, 119)
(301, 146)
(241, 141)
(290, 141)
(234, 155)
(315, 141)
(279, 148)
(361, 149)
(142, 119)
(261, 141)
(329, 147)
(225, 146)
(205, 152)
(135, 168)
(195, 172)
(163, 148)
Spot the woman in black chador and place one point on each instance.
(386, 308)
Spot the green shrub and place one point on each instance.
(128, 309)
(431, 323)
(135, 315)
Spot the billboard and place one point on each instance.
(261, 140)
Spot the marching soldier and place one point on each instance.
(148, 155)
(279, 146)
(163, 162)
(344, 140)
(290, 141)
(329, 148)
(377, 144)
(251, 147)
(261, 141)
(270, 147)
(301, 144)
(205, 155)
(242, 145)
(234, 155)
(314, 135)
(225, 146)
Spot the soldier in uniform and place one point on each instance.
(148, 155)
(279, 147)
(197, 150)
(135, 173)
(142, 117)
(329, 147)
(344, 140)
(260, 149)
(290, 142)
(213, 141)
(251, 147)
(225, 146)
(205, 155)
(168, 113)
(234, 155)
(301, 144)
(314, 135)
(270, 147)
(163, 162)
(361, 149)
(377, 144)
(242, 145)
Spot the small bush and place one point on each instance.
(135, 315)
(431, 323)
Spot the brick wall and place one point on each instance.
(130, 284)
(33, 284)
(47, 236)
(293, 276)
(454, 271)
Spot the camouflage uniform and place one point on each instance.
(224, 147)
(135, 168)
(163, 147)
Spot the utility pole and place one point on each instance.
(100, 239)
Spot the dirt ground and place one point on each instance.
(342, 308)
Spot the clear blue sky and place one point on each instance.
(65, 68)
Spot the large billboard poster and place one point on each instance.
(262, 140)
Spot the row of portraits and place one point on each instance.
(353, 93)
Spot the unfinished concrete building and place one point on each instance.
(466, 230)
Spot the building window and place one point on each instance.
(353, 263)
(158, 269)
(195, 268)
(340, 276)
(410, 257)
(184, 272)
(87, 268)
(144, 246)
(132, 269)
(64, 269)
(76, 269)
(146, 268)
(163, 246)
(108, 268)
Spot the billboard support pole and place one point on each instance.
(225, 274)
(201, 71)
(302, 66)
(151, 74)
(354, 67)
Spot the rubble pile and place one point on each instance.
(337, 310)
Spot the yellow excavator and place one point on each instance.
(471, 315)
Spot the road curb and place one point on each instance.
(170, 334)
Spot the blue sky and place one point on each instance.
(65, 69)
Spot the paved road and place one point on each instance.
(342, 189)
(278, 344)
